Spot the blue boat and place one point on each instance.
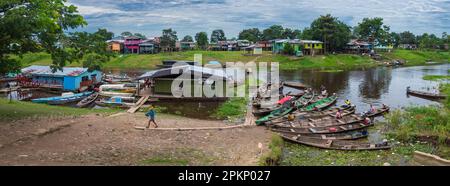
(62, 99)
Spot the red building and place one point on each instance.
(131, 44)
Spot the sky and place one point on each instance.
(188, 17)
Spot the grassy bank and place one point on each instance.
(418, 57)
(16, 110)
(233, 108)
(326, 62)
(436, 77)
(273, 156)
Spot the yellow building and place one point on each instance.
(312, 47)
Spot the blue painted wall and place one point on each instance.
(70, 83)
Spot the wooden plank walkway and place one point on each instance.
(138, 104)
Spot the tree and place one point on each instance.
(334, 33)
(126, 34)
(273, 32)
(91, 47)
(218, 35)
(288, 49)
(188, 38)
(168, 39)
(372, 30)
(252, 35)
(395, 39)
(139, 35)
(291, 34)
(202, 40)
(407, 38)
(30, 26)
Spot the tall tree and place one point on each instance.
(92, 46)
(168, 39)
(291, 34)
(187, 38)
(202, 40)
(395, 39)
(407, 38)
(126, 34)
(217, 35)
(334, 33)
(273, 32)
(252, 34)
(29, 26)
(372, 30)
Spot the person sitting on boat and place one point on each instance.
(383, 106)
(315, 109)
(338, 114)
(348, 103)
(291, 117)
(367, 121)
(322, 87)
(324, 93)
(371, 109)
(151, 116)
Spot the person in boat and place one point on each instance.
(371, 109)
(348, 103)
(151, 116)
(367, 121)
(322, 87)
(383, 106)
(315, 109)
(338, 114)
(291, 117)
(324, 93)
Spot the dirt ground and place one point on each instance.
(113, 140)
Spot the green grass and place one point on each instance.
(235, 107)
(301, 155)
(436, 77)
(325, 62)
(273, 157)
(418, 57)
(407, 124)
(16, 110)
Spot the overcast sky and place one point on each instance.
(188, 17)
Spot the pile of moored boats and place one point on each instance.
(313, 119)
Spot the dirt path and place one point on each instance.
(113, 140)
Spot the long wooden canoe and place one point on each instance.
(88, 100)
(304, 100)
(295, 84)
(322, 130)
(346, 110)
(335, 144)
(320, 104)
(352, 135)
(322, 122)
(425, 94)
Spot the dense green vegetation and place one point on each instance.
(326, 62)
(232, 108)
(436, 77)
(273, 156)
(418, 57)
(16, 110)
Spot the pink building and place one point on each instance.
(131, 44)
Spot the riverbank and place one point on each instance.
(112, 140)
(325, 62)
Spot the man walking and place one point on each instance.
(151, 115)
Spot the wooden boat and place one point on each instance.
(323, 130)
(320, 104)
(352, 135)
(114, 102)
(321, 122)
(425, 94)
(295, 84)
(335, 144)
(88, 100)
(265, 111)
(62, 99)
(304, 100)
(378, 111)
(346, 110)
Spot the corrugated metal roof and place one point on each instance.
(46, 70)
(220, 73)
